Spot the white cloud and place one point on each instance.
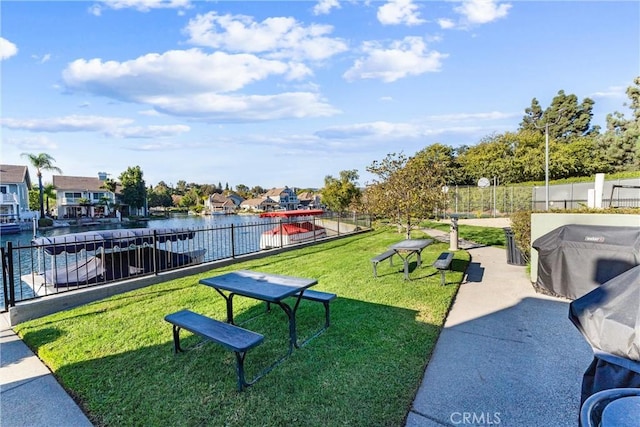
(612, 92)
(174, 83)
(213, 107)
(73, 123)
(407, 57)
(482, 11)
(177, 71)
(32, 143)
(278, 37)
(139, 5)
(42, 59)
(492, 115)
(446, 24)
(323, 7)
(7, 49)
(396, 12)
(153, 131)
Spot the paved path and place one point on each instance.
(30, 396)
(506, 356)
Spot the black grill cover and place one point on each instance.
(575, 259)
(608, 317)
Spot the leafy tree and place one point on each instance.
(621, 140)
(339, 194)
(243, 191)
(257, 191)
(181, 187)
(160, 195)
(134, 190)
(532, 117)
(42, 162)
(406, 190)
(49, 192)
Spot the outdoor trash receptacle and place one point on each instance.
(609, 319)
(514, 254)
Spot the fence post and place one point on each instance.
(10, 283)
(233, 243)
(156, 253)
(281, 230)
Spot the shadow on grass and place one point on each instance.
(364, 370)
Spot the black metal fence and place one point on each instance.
(74, 261)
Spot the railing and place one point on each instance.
(9, 198)
(80, 260)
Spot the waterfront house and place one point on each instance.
(79, 196)
(260, 204)
(309, 200)
(285, 197)
(15, 184)
(219, 204)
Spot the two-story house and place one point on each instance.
(15, 184)
(285, 197)
(79, 196)
(219, 204)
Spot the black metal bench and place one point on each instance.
(378, 258)
(443, 263)
(234, 338)
(325, 298)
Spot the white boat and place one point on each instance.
(80, 259)
(300, 227)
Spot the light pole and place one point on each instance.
(546, 166)
(546, 158)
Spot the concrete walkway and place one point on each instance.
(30, 396)
(507, 356)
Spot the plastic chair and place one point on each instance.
(592, 411)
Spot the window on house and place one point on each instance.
(3, 189)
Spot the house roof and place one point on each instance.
(79, 183)
(258, 201)
(274, 192)
(15, 174)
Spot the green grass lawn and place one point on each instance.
(116, 356)
(483, 235)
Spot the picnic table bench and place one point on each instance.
(443, 263)
(231, 337)
(378, 258)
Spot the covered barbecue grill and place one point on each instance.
(575, 259)
(609, 319)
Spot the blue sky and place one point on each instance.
(276, 93)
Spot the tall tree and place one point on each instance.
(532, 117)
(339, 193)
(134, 190)
(406, 190)
(42, 162)
(621, 140)
(49, 192)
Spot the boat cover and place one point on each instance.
(121, 238)
(575, 259)
(608, 318)
(77, 273)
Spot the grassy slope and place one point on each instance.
(115, 356)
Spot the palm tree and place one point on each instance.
(42, 162)
(49, 192)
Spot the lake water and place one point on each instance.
(215, 237)
(175, 221)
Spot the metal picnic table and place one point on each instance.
(409, 247)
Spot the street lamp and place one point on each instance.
(546, 159)
(546, 166)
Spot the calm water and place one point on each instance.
(217, 247)
(176, 221)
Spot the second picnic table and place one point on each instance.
(408, 247)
